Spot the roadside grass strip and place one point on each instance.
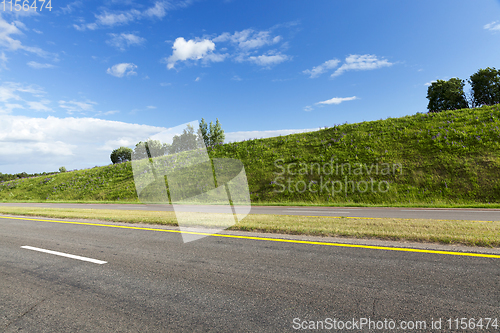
(400, 249)
(469, 233)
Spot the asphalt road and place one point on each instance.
(390, 212)
(152, 282)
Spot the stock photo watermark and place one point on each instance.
(334, 178)
(452, 324)
(26, 5)
(208, 195)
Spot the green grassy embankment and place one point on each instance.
(441, 159)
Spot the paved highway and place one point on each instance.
(149, 281)
(415, 213)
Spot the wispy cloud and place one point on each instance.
(20, 25)
(120, 70)
(324, 67)
(69, 8)
(493, 26)
(18, 96)
(77, 106)
(37, 65)
(112, 19)
(7, 108)
(247, 44)
(249, 39)
(123, 40)
(7, 30)
(40, 106)
(269, 59)
(361, 63)
(3, 60)
(108, 18)
(107, 113)
(337, 100)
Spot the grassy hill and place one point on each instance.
(450, 157)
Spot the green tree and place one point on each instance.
(204, 133)
(216, 133)
(121, 154)
(62, 169)
(446, 95)
(485, 85)
(188, 140)
(150, 149)
(211, 135)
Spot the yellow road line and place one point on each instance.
(402, 249)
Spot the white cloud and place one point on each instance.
(248, 135)
(8, 92)
(247, 42)
(245, 45)
(69, 8)
(20, 25)
(76, 106)
(248, 39)
(151, 107)
(8, 107)
(361, 63)
(493, 26)
(111, 19)
(318, 70)
(37, 65)
(159, 10)
(119, 70)
(85, 26)
(40, 105)
(123, 40)
(38, 31)
(197, 79)
(189, 50)
(337, 100)
(14, 95)
(81, 27)
(308, 108)
(3, 60)
(45, 144)
(108, 113)
(268, 59)
(8, 29)
(214, 57)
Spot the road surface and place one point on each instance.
(149, 281)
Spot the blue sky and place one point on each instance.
(90, 76)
